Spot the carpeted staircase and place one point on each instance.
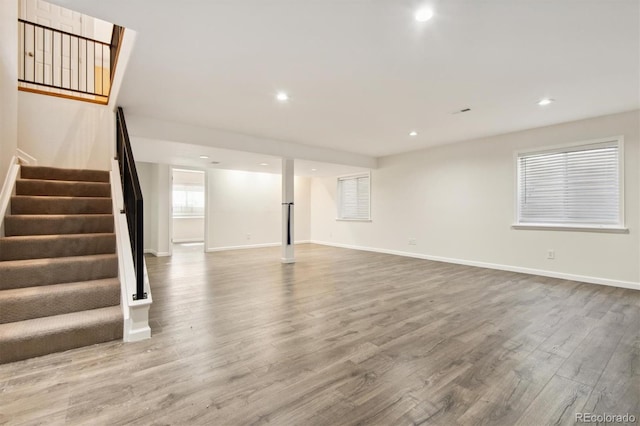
(59, 286)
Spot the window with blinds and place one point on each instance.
(188, 200)
(573, 186)
(354, 194)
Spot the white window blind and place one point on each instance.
(573, 186)
(188, 200)
(354, 193)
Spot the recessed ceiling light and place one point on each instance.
(423, 15)
(314, 170)
(413, 133)
(204, 157)
(282, 96)
(545, 101)
(264, 164)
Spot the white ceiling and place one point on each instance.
(363, 73)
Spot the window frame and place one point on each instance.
(620, 227)
(339, 197)
(186, 188)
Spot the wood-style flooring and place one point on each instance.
(345, 337)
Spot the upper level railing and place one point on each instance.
(132, 200)
(60, 62)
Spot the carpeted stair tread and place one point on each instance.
(35, 204)
(59, 285)
(54, 173)
(15, 225)
(34, 302)
(41, 336)
(62, 188)
(47, 246)
(38, 272)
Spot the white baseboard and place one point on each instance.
(138, 334)
(25, 158)
(187, 240)
(251, 246)
(248, 246)
(552, 274)
(157, 253)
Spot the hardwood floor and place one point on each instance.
(345, 337)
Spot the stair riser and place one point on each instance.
(51, 173)
(15, 226)
(58, 291)
(52, 205)
(55, 272)
(62, 301)
(56, 246)
(18, 348)
(64, 189)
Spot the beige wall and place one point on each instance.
(65, 133)
(8, 84)
(458, 202)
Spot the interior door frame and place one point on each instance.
(206, 204)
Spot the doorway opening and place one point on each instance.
(188, 210)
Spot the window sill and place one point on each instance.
(352, 220)
(188, 217)
(577, 228)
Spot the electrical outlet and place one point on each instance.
(551, 254)
(412, 241)
(248, 236)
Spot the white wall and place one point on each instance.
(8, 84)
(149, 195)
(65, 133)
(302, 208)
(188, 229)
(458, 202)
(163, 200)
(245, 209)
(238, 203)
(155, 184)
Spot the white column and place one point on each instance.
(287, 211)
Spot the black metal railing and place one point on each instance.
(57, 59)
(132, 200)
